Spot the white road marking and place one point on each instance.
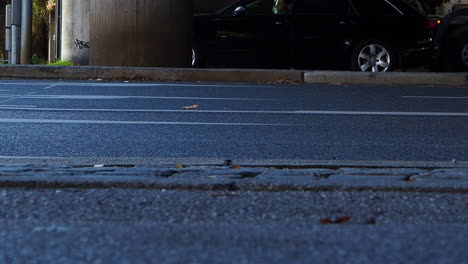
(93, 84)
(384, 113)
(111, 122)
(51, 86)
(18, 106)
(301, 112)
(24, 83)
(116, 97)
(13, 97)
(437, 97)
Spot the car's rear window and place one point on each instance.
(376, 7)
(407, 8)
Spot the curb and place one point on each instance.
(224, 178)
(231, 75)
(151, 74)
(389, 78)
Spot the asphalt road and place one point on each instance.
(158, 226)
(76, 119)
(45, 120)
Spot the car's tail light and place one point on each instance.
(430, 24)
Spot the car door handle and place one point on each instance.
(279, 23)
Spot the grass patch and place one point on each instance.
(62, 63)
(36, 60)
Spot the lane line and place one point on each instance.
(116, 97)
(14, 97)
(20, 107)
(386, 113)
(436, 97)
(107, 122)
(137, 85)
(51, 86)
(25, 84)
(301, 112)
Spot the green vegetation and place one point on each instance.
(40, 24)
(37, 60)
(62, 63)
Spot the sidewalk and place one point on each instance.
(231, 75)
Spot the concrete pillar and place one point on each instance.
(142, 33)
(75, 31)
(16, 32)
(26, 32)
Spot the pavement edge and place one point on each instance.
(231, 75)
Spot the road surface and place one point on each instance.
(318, 123)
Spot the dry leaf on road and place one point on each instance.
(235, 167)
(190, 107)
(338, 220)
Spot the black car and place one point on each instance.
(363, 35)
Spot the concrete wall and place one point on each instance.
(75, 31)
(142, 33)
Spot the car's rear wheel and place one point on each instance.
(197, 58)
(464, 56)
(373, 56)
(455, 53)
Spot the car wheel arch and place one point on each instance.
(197, 55)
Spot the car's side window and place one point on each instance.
(322, 6)
(282, 6)
(260, 7)
(263, 7)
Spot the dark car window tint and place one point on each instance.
(260, 7)
(375, 7)
(282, 6)
(321, 6)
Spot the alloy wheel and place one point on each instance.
(464, 55)
(193, 57)
(374, 58)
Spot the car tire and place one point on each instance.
(455, 57)
(197, 58)
(373, 55)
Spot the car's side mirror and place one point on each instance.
(240, 11)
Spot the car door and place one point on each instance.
(321, 33)
(252, 34)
